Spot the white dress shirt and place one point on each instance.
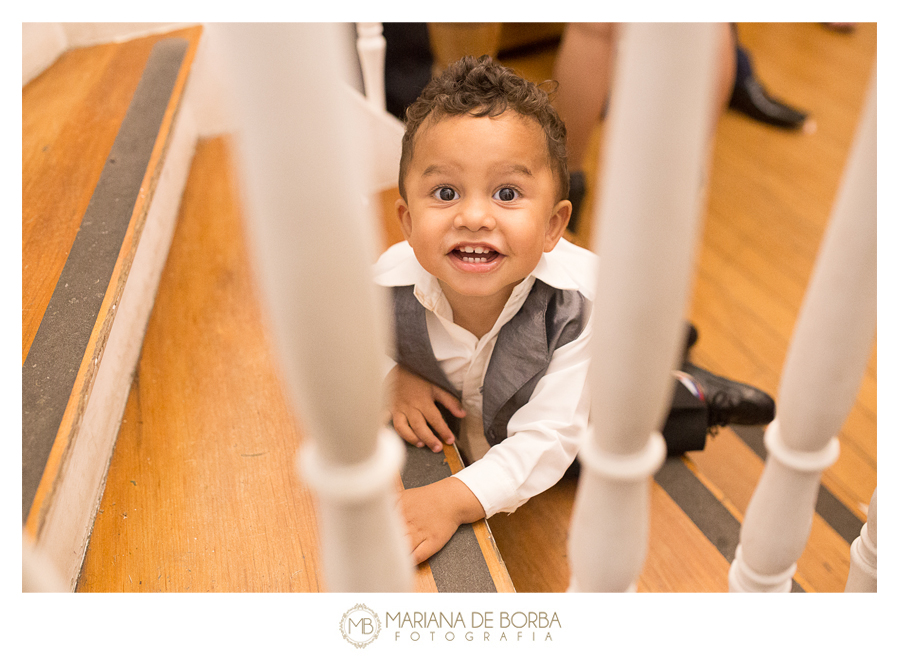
(543, 436)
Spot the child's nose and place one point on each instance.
(475, 214)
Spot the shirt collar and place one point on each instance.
(552, 271)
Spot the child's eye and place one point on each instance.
(445, 194)
(506, 194)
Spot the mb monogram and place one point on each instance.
(360, 625)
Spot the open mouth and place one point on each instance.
(475, 255)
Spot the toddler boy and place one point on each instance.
(491, 304)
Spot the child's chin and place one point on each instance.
(482, 289)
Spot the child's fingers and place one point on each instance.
(438, 424)
(419, 425)
(415, 430)
(401, 425)
(449, 401)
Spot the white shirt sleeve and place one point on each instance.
(543, 436)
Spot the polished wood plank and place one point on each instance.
(203, 470)
(680, 558)
(533, 540)
(56, 187)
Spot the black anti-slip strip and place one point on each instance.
(704, 509)
(832, 510)
(706, 512)
(459, 566)
(51, 367)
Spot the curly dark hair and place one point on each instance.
(482, 87)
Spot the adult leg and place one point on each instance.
(751, 98)
(583, 69)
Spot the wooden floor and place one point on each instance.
(206, 498)
(770, 196)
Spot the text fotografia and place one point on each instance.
(477, 626)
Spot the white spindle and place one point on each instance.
(314, 242)
(652, 180)
(370, 45)
(823, 369)
(863, 576)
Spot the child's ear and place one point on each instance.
(559, 220)
(404, 217)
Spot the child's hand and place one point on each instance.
(434, 512)
(411, 401)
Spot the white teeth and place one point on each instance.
(468, 249)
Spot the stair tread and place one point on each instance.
(71, 114)
(95, 128)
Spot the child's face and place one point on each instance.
(481, 203)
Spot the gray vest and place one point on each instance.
(548, 319)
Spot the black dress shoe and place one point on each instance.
(750, 97)
(729, 402)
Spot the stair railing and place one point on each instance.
(821, 377)
(652, 178)
(314, 240)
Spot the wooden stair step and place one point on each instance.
(105, 156)
(204, 469)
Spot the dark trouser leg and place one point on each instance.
(407, 64)
(686, 425)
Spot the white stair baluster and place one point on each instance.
(371, 46)
(314, 242)
(863, 575)
(652, 179)
(823, 369)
